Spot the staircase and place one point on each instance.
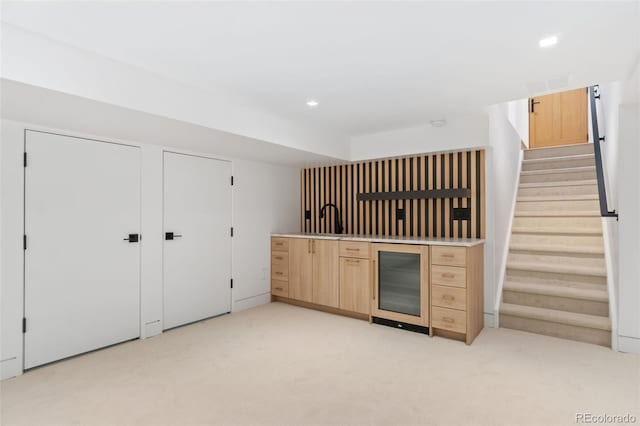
(556, 282)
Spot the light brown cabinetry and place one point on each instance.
(444, 283)
(313, 273)
(457, 295)
(300, 269)
(280, 267)
(355, 277)
(326, 273)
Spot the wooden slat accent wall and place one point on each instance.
(424, 218)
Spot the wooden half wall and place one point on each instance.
(424, 217)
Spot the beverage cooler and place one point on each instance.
(401, 285)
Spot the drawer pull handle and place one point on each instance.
(353, 261)
(279, 244)
(279, 288)
(448, 275)
(448, 255)
(448, 297)
(448, 320)
(352, 249)
(278, 258)
(279, 273)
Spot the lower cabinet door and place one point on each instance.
(355, 285)
(326, 274)
(300, 269)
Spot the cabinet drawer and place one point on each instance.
(279, 244)
(279, 258)
(280, 288)
(354, 249)
(451, 256)
(449, 319)
(280, 271)
(449, 297)
(448, 275)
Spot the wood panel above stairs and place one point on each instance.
(555, 283)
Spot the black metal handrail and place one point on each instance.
(597, 140)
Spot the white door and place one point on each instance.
(197, 258)
(82, 279)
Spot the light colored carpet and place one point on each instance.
(284, 365)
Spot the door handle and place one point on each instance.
(533, 104)
(171, 236)
(133, 238)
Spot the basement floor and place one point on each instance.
(283, 365)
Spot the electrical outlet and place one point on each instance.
(461, 213)
(264, 273)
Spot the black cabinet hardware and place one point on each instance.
(171, 236)
(133, 238)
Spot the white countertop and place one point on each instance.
(464, 242)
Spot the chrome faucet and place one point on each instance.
(338, 227)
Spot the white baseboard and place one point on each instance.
(629, 344)
(251, 302)
(489, 320)
(9, 368)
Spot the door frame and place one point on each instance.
(231, 247)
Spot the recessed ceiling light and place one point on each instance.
(548, 41)
(312, 103)
(438, 123)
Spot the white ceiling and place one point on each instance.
(53, 111)
(372, 66)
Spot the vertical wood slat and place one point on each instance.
(340, 185)
(394, 203)
(303, 199)
(455, 185)
(482, 188)
(360, 228)
(343, 172)
(399, 203)
(380, 203)
(423, 205)
(438, 185)
(465, 201)
(414, 203)
(408, 223)
(474, 193)
(447, 201)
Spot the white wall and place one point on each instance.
(502, 184)
(470, 131)
(518, 115)
(628, 178)
(266, 199)
(11, 230)
(608, 126)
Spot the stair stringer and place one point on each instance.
(503, 264)
(608, 225)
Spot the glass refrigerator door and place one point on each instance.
(399, 282)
